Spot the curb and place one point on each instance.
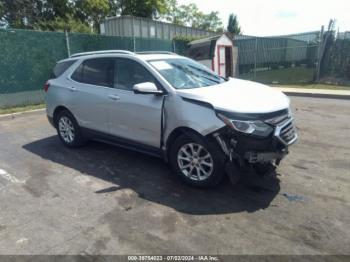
(317, 95)
(24, 113)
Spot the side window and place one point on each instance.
(61, 67)
(78, 74)
(128, 73)
(98, 71)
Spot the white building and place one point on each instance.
(131, 26)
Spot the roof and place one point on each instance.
(204, 48)
(206, 39)
(147, 55)
(152, 20)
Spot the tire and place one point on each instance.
(68, 130)
(210, 173)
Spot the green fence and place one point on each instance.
(28, 57)
(26, 60)
(289, 59)
(336, 63)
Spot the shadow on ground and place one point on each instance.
(152, 180)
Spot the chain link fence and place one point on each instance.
(27, 58)
(289, 59)
(335, 67)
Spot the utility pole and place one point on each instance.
(319, 55)
(67, 42)
(133, 35)
(255, 56)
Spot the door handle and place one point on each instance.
(72, 88)
(114, 97)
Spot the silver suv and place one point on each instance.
(172, 107)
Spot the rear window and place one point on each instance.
(61, 67)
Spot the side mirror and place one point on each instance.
(147, 88)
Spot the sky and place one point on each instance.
(277, 17)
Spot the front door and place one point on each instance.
(135, 117)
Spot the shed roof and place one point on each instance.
(204, 48)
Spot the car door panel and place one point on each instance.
(89, 85)
(89, 106)
(136, 117)
(133, 116)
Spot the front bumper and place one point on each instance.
(247, 149)
(264, 157)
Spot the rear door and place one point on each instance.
(135, 117)
(89, 91)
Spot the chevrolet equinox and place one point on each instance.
(166, 105)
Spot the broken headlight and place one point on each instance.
(253, 127)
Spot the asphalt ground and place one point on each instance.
(102, 199)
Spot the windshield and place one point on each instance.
(184, 73)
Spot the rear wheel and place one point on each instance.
(197, 162)
(68, 129)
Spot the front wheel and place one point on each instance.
(197, 162)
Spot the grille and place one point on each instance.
(288, 132)
(278, 120)
(284, 127)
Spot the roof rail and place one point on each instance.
(104, 52)
(155, 52)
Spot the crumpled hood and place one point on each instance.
(239, 96)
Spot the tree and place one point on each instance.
(92, 11)
(173, 13)
(113, 8)
(190, 15)
(212, 22)
(142, 8)
(53, 9)
(80, 14)
(62, 24)
(233, 26)
(2, 13)
(20, 13)
(53, 15)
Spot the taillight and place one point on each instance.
(46, 86)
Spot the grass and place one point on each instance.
(293, 77)
(17, 109)
(290, 75)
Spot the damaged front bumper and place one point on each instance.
(246, 150)
(264, 157)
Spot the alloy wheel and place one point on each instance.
(66, 129)
(195, 161)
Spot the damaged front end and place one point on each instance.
(260, 141)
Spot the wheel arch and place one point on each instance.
(57, 110)
(182, 130)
